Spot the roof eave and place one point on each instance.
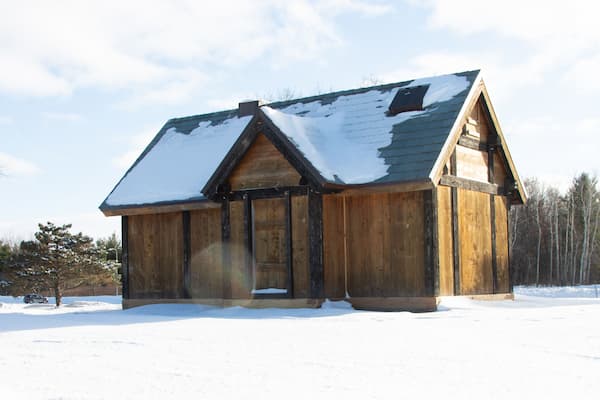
(157, 208)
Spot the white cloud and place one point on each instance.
(583, 74)
(54, 48)
(571, 143)
(555, 36)
(546, 22)
(496, 70)
(366, 8)
(65, 117)
(14, 166)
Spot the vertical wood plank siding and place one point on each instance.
(455, 230)
(155, 244)
(386, 245)
(300, 246)
(206, 254)
(125, 257)
(475, 242)
(226, 249)
(502, 251)
(240, 281)
(446, 267)
(432, 282)
(333, 246)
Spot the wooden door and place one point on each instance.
(271, 247)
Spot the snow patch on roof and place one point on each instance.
(342, 139)
(178, 165)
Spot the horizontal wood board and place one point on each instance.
(263, 166)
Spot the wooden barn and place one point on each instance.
(387, 196)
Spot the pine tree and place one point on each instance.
(57, 260)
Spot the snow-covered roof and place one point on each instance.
(348, 137)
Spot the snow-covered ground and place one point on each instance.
(545, 344)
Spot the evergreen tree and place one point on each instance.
(58, 260)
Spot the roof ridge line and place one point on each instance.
(346, 92)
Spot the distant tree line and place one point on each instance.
(57, 260)
(555, 237)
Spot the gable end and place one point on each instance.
(262, 131)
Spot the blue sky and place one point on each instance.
(85, 85)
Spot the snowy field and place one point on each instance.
(543, 345)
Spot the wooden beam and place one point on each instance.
(125, 257)
(432, 282)
(410, 186)
(469, 184)
(472, 143)
(315, 244)
(455, 231)
(226, 236)
(288, 244)
(187, 249)
(268, 193)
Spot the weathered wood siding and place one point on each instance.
(445, 245)
(240, 277)
(478, 123)
(502, 260)
(263, 166)
(155, 245)
(206, 254)
(475, 243)
(334, 247)
(300, 246)
(471, 164)
(267, 229)
(499, 170)
(385, 245)
(269, 243)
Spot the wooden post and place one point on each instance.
(432, 281)
(248, 241)
(315, 243)
(226, 235)
(125, 257)
(187, 248)
(288, 244)
(510, 271)
(455, 233)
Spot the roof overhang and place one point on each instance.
(158, 208)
